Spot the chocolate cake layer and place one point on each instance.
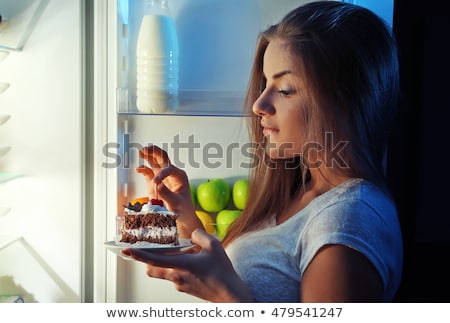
(150, 227)
(130, 238)
(134, 221)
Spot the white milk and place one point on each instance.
(157, 65)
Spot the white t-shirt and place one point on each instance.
(356, 214)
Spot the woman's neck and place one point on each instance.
(318, 184)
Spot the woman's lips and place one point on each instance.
(268, 130)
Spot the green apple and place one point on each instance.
(214, 194)
(193, 194)
(223, 220)
(239, 193)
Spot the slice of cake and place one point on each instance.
(149, 221)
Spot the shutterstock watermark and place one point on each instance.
(214, 155)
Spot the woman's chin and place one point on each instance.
(280, 154)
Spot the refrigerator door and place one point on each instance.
(41, 174)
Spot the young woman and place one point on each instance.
(320, 225)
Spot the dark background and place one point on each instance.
(418, 166)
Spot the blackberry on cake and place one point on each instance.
(148, 220)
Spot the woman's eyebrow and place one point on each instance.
(280, 74)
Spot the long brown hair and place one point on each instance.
(348, 58)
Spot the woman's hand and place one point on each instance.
(206, 273)
(170, 184)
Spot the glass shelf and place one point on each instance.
(3, 87)
(11, 299)
(4, 211)
(4, 118)
(4, 150)
(5, 177)
(191, 103)
(19, 19)
(6, 241)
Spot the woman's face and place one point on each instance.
(281, 104)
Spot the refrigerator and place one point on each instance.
(69, 133)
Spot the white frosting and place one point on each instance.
(150, 208)
(151, 232)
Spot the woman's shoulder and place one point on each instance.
(361, 215)
(358, 190)
(354, 199)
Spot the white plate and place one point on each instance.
(183, 246)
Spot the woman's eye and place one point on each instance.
(285, 92)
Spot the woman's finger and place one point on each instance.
(155, 156)
(175, 276)
(172, 171)
(144, 170)
(157, 272)
(171, 180)
(204, 240)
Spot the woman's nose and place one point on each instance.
(263, 106)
